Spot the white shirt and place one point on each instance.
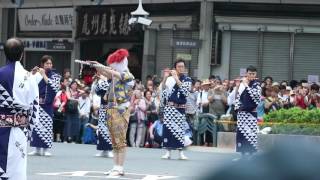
(96, 100)
(202, 98)
(232, 97)
(84, 106)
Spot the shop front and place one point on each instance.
(46, 31)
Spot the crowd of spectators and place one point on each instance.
(213, 95)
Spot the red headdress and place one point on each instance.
(118, 56)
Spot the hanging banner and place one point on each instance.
(49, 19)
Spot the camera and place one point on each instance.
(139, 16)
(140, 20)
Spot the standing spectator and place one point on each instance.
(202, 99)
(49, 84)
(137, 126)
(72, 122)
(248, 98)
(231, 101)
(84, 106)
(151, 111)
(67, 77)
(174, 97)
(191, 105)
(212, 78)
(59, 110)
(217, 101)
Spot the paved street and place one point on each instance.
(74, 161)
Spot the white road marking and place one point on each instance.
(89, 175)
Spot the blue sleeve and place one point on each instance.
(255, 92)
(186, 87)
(54, 82)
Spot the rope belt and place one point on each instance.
(15, 120)
(178, 106)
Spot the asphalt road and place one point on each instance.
(76, 161)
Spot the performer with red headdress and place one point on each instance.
(121, 82)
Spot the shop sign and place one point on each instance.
(186, 43)
(104, 22)
(49, 19)
(243, 72)
(184, 56)
(59, 46)
(44, 44)
(313, 79)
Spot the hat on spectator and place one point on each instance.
(275, 84)
(205, 82)
(288, 88)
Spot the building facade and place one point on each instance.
(219, 37)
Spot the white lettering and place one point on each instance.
(112, 30)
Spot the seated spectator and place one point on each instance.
(155, 132)
(268, 81)
(300, 97)
(273, 103)
(284, 95)
(260, 108)
(313, 97)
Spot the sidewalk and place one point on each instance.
(210, 149)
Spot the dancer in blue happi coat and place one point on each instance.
(247, 100)
(19, 107)
(104, 143)
(176, 88)
(49, 85)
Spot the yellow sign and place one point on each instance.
(184, 56)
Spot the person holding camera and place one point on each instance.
(313, 97)
(202, 100)
(247, 100)
(217, 101)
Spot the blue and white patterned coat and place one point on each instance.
(175, 124)
(247, 101)
(42, 136)
(18, 97)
